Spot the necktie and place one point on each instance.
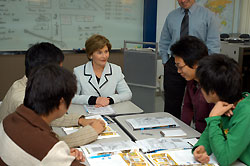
(184, 24)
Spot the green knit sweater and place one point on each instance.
(229, 137)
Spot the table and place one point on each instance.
(122, 108)
(155, 133)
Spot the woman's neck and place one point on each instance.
(98, 70)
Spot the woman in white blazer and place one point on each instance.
(99, 82)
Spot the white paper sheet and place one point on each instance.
(152, 144)
(173, 133)
(91, 109)
(94, 149)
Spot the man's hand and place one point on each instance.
(102, 101)
(98, 125)
(200, 154)
(221, 108)
(85, 122)
(77, 154)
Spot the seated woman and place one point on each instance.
(103, 82)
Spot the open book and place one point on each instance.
(108, 147)
(124, 158)
(122, 153)
(143, 123)
(177, 157)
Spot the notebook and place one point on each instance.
(173, 133)
(143, 123)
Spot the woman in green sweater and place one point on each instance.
(228, 125)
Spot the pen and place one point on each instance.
(154, 151)
(107, 120)
(146, 134)
(86, 109)
(161, 127)
(190, 144)
(99, 156)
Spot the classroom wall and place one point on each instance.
(163, 8)
(12, 66)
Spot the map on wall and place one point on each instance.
(225, 11)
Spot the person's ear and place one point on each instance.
(214, 95)
(62, 100)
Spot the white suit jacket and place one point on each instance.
(112, 84)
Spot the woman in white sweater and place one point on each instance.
(99, 82)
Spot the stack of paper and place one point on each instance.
(91, 109)
(173, 133)
(154, 144)
(151, 122)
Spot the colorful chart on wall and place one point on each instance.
(68, 23)
(226, 11)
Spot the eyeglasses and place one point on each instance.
(179, 67)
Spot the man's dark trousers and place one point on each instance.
(174, 88)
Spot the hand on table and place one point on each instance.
(200, 154)
(98, 125)
(102, 101)
(77, 154)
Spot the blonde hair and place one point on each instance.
(96, 42)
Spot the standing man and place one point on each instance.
(189, 19)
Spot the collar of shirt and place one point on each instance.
(33, 118)
(191, 10)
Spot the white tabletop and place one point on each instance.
(121, 108)
(153, 133)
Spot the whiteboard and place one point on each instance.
(68, 23)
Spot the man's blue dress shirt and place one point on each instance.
(202, 24)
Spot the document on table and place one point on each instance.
(91, 109)
(130, 158)
(151, 122)
(107, 148)
(177, 157)
(173, 133)
(107, 133)
(154, 144)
